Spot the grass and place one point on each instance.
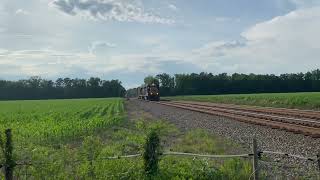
(308, 100)
(72, 138)
(205, 143)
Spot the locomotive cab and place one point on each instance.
(149, 92)
(153, 92)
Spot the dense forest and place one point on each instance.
(179, 84)
(62, 88)
(207, 83)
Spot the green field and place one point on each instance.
(43, 131)
(72, 138)
(58, 120)
(286, 100)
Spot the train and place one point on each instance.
(149, 92)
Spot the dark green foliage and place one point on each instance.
(38, 88)
(2, 151)
(167, 84)
(151, 153)
(9, 163)
(205, 83)
(151, 80)
(236, 169)
(1, 145)
(91, 148)
(208, 83)
(199, 168)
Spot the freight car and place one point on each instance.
(149, 92)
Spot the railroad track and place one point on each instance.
(293, 120)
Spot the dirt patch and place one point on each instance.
(136, 113)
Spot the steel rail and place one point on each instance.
(254, 114)
(296, 128)
(282, 111)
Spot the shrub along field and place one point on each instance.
(308, 100)
(63, 139)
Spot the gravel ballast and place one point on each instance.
(242, 133)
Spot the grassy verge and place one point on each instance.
(286, 100)
(99, 129)
(87, 160)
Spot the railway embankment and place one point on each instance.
(269, 139)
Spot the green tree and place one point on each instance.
(151, 80)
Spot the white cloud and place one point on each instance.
(283, 44)
(22, 12)
(300, 25)
(286, 43)
(216, 49)
(173, 7)
(97, 44)
(43, 62)
(52, 63)
(121, 10)
(3, 52)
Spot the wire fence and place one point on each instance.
(171, 153)
(9, 164)
(314, 159)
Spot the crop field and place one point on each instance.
(58, 120)
(43, 131)
(57, 139)
(308, 100)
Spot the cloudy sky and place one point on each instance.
(129, 39)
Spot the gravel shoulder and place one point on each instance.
(241, 133)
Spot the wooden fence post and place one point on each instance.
(9, 162)
(151, 153)
(255, 159)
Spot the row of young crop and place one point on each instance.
(51, 124)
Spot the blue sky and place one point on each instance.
(130, 39)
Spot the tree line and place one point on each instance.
(208, 83)
(63, 88)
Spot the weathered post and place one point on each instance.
(151, 153)
(9, 162)
(255, 159)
